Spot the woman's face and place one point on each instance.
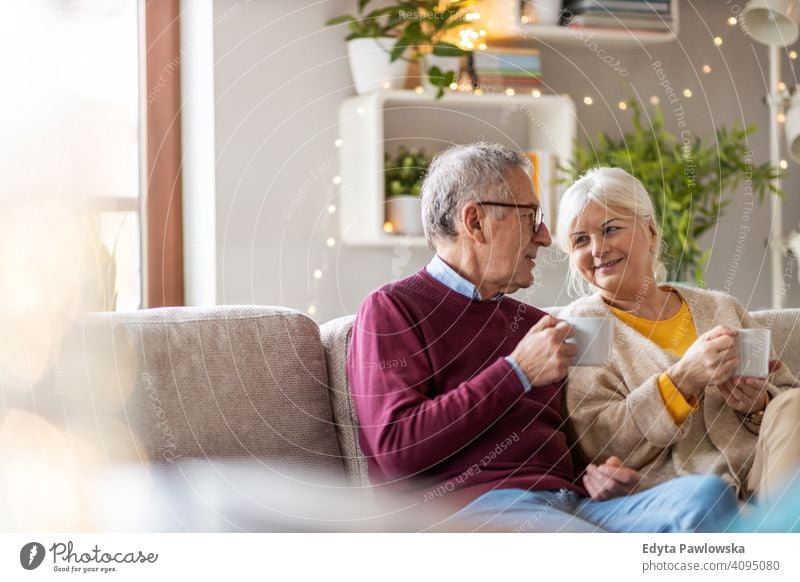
(613, 250)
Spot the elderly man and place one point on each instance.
(458, 387)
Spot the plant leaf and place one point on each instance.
(445, 49)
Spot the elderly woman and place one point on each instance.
(667, 402)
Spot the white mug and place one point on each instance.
(753, 347)
(593, 337)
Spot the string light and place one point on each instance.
(780, 118)
(706, 69)
(536, 93)
(318, 274)
(783, 164)
(654, 100)
(331, 209)
(482, 46)
(478, 92)
(781, 86)
(419, 89)
(510, 92)
(454, 85)
(360, 110)
(312, 309)
(338, 143)
(330, 242)
(687, 92)
(337, 179)
(388, 227)
(792, 55)
(622, 105)
(386, 84)
(588, 100)
(718, 41)
(732, 21)
(467, 38)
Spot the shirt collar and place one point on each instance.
(448, 276)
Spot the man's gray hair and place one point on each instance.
(463, 173)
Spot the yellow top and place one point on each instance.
(674, 335)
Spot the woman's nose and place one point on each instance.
(598, 246)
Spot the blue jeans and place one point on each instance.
(703, 503)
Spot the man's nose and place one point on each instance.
(542, 238)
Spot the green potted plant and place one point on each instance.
(419, 30)
(404, 174)
(690, 181)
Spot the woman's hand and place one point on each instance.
(609, 480)
(711, 359)
(745, 394)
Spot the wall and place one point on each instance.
(281, 75)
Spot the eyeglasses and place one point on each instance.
(536, 219)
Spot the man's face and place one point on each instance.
(512, 245)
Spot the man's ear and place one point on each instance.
(473, 218)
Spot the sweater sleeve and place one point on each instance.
(409, 423)
(611, 419)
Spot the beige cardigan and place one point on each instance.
(618, 409)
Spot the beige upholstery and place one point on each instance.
(255, 382)
(336, 339)
(229, 382)
(785, 326)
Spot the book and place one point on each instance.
(616, 21)
(512, 60)
(611, 5)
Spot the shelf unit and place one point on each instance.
(377, 122)
(505, 27)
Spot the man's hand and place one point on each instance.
(609, 480)
(745, 394)
(542, 354)
(711, 359)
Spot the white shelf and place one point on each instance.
(378, 122)
(506, 27)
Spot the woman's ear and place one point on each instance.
(651, 227)
(474, 221)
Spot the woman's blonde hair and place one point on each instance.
(608, 187)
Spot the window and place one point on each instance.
(71, 127)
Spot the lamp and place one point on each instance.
(776, 23)
(772, 22)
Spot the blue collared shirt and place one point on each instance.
(447, 276)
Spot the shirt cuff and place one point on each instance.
(677, 406)
(526, 384)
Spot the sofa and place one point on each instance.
(263, 386)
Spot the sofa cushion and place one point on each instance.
(785, 326)
(336, 339)
(229, 382)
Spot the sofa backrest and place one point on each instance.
(336, 339)
(248, 382)
(785, 326)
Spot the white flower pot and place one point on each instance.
(405, 214)
(370, 66)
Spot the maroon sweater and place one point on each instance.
(440, 410)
